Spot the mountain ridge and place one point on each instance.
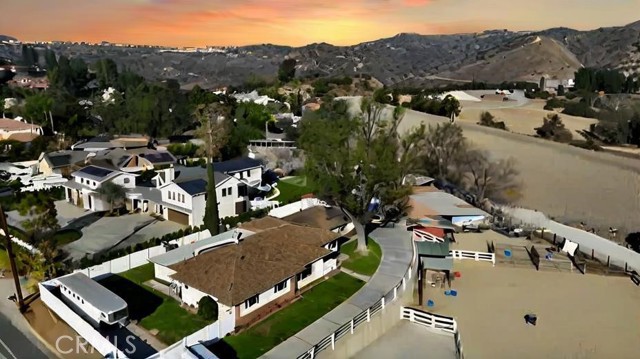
(492, 56)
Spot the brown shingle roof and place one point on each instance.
(236, 272)
(23, 136)
(8, 124)
(328, 218)
(293, 231)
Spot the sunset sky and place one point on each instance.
(293, 22)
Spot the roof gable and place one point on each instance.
(96, 173)
(193, 187)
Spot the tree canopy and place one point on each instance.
(354, 159)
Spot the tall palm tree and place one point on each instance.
(112, 193)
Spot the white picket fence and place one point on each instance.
(434, 322)
(419, 235)
(477, 256)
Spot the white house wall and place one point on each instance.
(191, 296)
(163, 273)
(188, 201)
(265, 298)
(254, 175)
(226, 318)
(317, 271)
(197, 212)
(329, 265)
(227, 204)
(125, 180)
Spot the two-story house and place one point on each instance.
(82, 188)
(246, 170)
(183, 195)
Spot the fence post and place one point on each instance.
(411, 316)
(382, 301)
(477, 257)
(351, 325)
(395, 293)
(369, 315)
(493, 259)
(404, 284)
(313, 352)
(333, 341)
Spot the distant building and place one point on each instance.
(18, 130)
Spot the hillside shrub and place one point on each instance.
(208, 308)
(554, 103)
(581, 109)
(488, 120)
(553, 129)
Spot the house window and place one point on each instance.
(280, 286)
(230, 191)
(224, 192)
(305, 273)
(248, 173)
(127, 180)
(251, 302)
(242, 190)
(241, 174)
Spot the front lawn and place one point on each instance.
(152, 309)
(140, 274)
(293, 188)
(366, 265)
(283, 324)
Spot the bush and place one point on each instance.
(244, 217)
(487, 119)
(554, 103)
(553, 129)
(538, 94)
(208, 308)
(581, 109)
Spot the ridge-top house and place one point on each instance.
(263, 266)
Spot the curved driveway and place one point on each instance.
(397, 254)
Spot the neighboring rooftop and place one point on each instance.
(187, 251)
(92, 292)
(8, 124)
(194, 187)
(235, 272)
(94, 173)
(441, 204)
(235, 165)
(328, 218)
(64, 158)
(184, 173)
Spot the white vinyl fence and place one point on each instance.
(92, 336)
(434, 322)
(477, 256)
(364, 317)
(123, 264)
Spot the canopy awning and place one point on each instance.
(433, 249)
(439, 263)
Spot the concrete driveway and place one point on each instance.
(105, 233)
(67, 213)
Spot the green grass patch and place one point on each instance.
(66, 236)
(278, 327)
(366, 265)
(140, 274)
(293, 188)
(152, 309)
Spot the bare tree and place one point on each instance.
(443, 146)
(496, 180)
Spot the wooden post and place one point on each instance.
(592, 254)
(608, 261)
(12, 260)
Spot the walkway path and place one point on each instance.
(362, 277)
(397, 253)
(409, 340)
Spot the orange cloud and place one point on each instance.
(415, 3)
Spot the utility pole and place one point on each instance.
(12, 260)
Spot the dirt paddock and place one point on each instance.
(579, 316)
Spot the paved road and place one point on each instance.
(408, 340)
(397, 254)
(14, 345)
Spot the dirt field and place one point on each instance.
(565, 182)
(579, 316)
(522, 119)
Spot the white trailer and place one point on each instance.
(92, 301)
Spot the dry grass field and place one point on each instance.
(565, 182)
(579, 316)
(523, 119)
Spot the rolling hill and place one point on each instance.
(405, 59)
